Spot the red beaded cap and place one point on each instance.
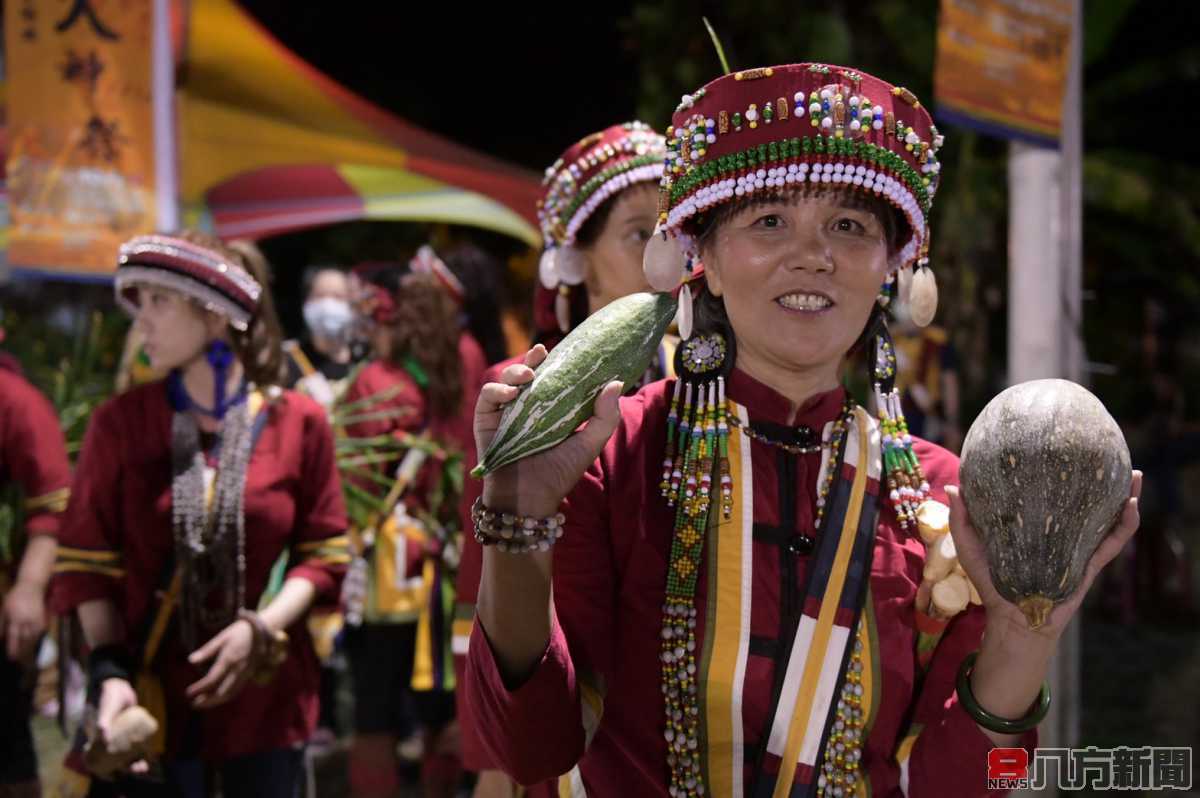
(769, 128)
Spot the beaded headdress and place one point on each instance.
(207, 276)
(426, 261)
(590, 172)
(768, 130)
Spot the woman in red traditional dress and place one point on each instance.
(426, 372)
(207, 518)
(33, 460)
(597, 212)
(738, 599)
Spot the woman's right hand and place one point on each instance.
(116, 696)
(537, 484)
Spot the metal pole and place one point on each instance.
(166, 165)
(1045, 317)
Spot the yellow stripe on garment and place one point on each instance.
(591, 706)
(92, 555)
(338, 541)
(115, 572)
(55, 501)
(824, 625)
(570, 784)
(422, 678)
(731, 628)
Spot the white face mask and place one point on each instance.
(328, 317)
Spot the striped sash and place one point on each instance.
(799, 722)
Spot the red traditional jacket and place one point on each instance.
(594, 699)
(452, 428)
(117, 543)
(32, 455)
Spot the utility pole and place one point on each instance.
(1045, 315)
(166, 162)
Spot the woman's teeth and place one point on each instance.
(804, 301)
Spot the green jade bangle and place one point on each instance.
(992, 722)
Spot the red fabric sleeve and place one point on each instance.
(949, 756)
(374, 379)
(34, 454)
(949, 753)
(89, 564)
(320, 548)
(539, 729)
(467, 590)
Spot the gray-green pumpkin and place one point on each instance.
(617, 342)
(1045, 473)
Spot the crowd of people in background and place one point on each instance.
(257, 527)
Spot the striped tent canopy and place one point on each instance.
(268, 144)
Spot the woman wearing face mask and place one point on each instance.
(320, 364)
(428, 369)
(187, 492)
(750, 618)
(597, 212)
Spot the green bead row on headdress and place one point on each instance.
(784, 150)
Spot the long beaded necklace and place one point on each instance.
(841, 765)
(698, 440)
(209, 536)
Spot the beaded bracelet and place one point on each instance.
(515, 534)
(269, 651)
(994, 722)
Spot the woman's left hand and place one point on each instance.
(1004, 616)
(231, 651)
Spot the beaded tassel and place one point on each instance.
(699, 439)
(841, 768)
(681, 438)
(907, 486)
(664, 486)
(726, 478)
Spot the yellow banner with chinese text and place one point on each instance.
(1002, 66)
(81, 131)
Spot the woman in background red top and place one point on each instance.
(597, 211)
(34, 458)
(430, 370)
(188, 491)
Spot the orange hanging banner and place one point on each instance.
(1002, 66)
(81, 136)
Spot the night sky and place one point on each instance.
(519, 86)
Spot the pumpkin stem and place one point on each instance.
(1036, 610)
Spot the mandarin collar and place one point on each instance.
(764, 403)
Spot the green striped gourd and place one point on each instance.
(615, 343)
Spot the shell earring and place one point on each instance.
(923, 295)
(663, 262)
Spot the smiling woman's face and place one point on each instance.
(799, 276)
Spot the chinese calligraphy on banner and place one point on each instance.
(1002, 66)
(81, 152)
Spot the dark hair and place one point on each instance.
(426, 329)
(259, 346)
(709, 313)
(312, 272)
(481, 273)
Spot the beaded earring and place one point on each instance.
(698, 429)
(697, 440)
(907, 486)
